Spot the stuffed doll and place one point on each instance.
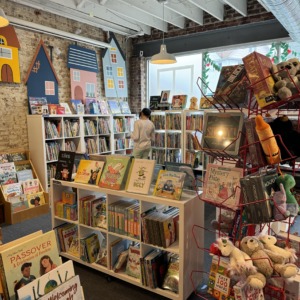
(288, 182)
(193, 103)
(266, 261)
(269, 242)
(241, 264)
(267, 140)
(279, 209)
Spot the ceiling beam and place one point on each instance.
(212, 7)
(239, 5)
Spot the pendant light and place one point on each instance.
(163, 57)
(3, 19)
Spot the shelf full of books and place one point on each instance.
(84, 134)
(128, 234)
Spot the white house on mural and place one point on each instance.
(114, 70)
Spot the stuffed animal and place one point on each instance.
(287, 80)
(266, 261)
(288, 182)
(279, 210)
(290, 144)
(193, 103)
(241, 264)
(269, 242)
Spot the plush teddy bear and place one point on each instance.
(240, 264)
(193, 103)
(288, 182)
(265, 260)
(269, 242)
(286, 82)
(279, 209)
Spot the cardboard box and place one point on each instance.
(258, 71)
(242, 291)
(292, 288)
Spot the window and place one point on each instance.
(76, 75)
(120, 72)
(109, 71)
(5, 53)
(121, 84)
(2, 42)
(110, 84)
(90, 90)
(113, 58)
(49, 88)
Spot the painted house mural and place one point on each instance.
(83, 67)
(9, 55)
(41, 78)
(114, 70)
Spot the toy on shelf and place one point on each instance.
(194, 103)
(279, 210)
(288, 182)
(267, 140)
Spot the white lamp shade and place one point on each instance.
(3, 19)
(163, 57)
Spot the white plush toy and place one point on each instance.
(269, 242)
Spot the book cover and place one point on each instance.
(169, 184)
(60, 110)
(154, 101)
(178, 101)
(94, 108)
(18, 203)
(92, 244)
(103, 107)
(243, 291)
(75, 104)
(98, 207)
(102, 255)
(17, 156)
(36, 104)
(8, 173)
(68, 197)
(29, 260)
(64, 165)
(116, 248)
(31, 186)
(48, 282)
(115, 171)
(66, 107)
(35, 199)
(125, 109)
(140, 176)
(88, 105)
(11, 190)
(80, 109)
(24, 175)
(114, 107)
(52, 108)
(89, 171)
(222, 132)
(164, 96)
(68, 233)
(133, 267)
(222, 185)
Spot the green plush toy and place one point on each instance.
(289, 182)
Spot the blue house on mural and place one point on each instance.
(114, 70)
(41, 78)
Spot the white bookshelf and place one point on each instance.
(191, 211)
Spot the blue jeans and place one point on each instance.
(141, 153)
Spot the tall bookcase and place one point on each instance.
(191, 210)
(91, 134)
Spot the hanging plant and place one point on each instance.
(207, 64)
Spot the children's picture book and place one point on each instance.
(92, 245)
(179, 101)
(124, 107)
(89, 171)
(4, 158)
(164, 97)
(18, 203)
(8, 173)
(169, 184)
(60, 110)
(67, 108)
(27, 261)
(31, 186)
(94, 109)
(222, 132)
(80, 109)
(115, 172)
(140, 176)
(16, 156)
(133, 267)
(24, 175)
(65, 165)
(89, 105)
(154, 101)
(222, 185)
(75, 104)
(36, 105)
(35, 199)
(52, 108)
(103, 107)
(98, 207)
(48, 282)
(11, 190)
(114, 107)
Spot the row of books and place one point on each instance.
(66, 235)
(174, 140)
(123, 125)
(159, 121)
(191, 142)
(91, 145)
(159, 155)
(173, 121)
(119, 144)
(52, 129)
(90, 127)
(194, 122)
(103, 126)
(51, 171)
(71, 127)
(104, 144)
(52, 150)
(70, 146)
(12, 157)
(159, 140)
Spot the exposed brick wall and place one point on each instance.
(13, 97)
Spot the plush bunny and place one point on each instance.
(279, 199)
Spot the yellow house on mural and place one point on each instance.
(9, 55)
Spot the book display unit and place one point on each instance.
(91, 134)
(190, 211)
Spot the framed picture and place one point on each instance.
(165, 96)
(179, 101)
(222, 132)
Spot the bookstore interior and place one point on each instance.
(142, 219)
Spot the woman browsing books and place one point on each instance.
(143, 134)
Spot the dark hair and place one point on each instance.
(146, 112)
(37, 198)
(26, 265)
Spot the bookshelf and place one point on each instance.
(191, 210)
(91, 134)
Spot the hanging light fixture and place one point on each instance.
(3, 19)
(163, 57)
